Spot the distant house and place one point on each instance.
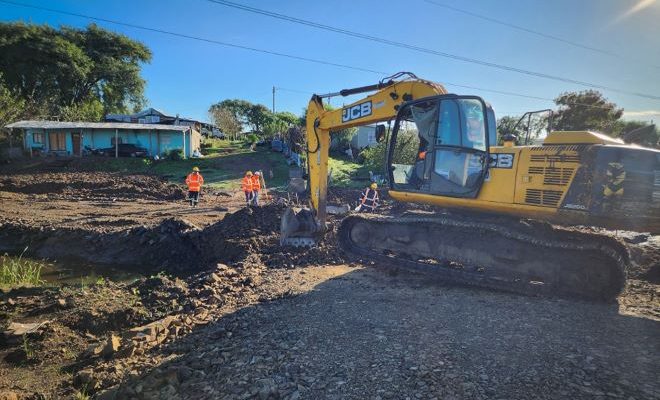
(71, 138)
(364, 137)
(155, 116)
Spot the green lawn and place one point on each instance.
(222, 168)
(347, 173)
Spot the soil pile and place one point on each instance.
(252, 236)
(92, 186)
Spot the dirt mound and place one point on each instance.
(91, 186)
(252, 236)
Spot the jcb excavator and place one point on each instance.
(520, 200)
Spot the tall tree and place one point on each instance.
(226, 121)
(238, 108)
(258, 116)
(586, 110)
(57, 70)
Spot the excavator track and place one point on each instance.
(527, 257)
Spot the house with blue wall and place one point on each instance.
(72, 138)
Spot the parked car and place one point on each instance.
(125, 150)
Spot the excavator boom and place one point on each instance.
(304, 226)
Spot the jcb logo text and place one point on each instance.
(355, 112)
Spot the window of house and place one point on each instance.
(112, 141)
(371, 136)
(57, 141)
(38, 137)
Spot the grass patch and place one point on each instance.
(18, 271)
(223, 166)
(347, 173)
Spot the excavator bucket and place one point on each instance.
(299, 228)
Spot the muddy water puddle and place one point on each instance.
(71, 272)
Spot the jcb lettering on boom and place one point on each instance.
(355, 112)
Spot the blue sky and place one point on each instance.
(186, 76)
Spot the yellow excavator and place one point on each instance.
(505, 215)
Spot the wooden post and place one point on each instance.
(151, 146)
(82, 142)
(116, 142)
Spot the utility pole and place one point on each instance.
(273, 99)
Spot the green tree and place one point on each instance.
(238, 108)
(258, 116)
(639, 132)
(586, 110)
(56, 71)
(225, 120)
(288, 117)
(11, 108)
(506, 126)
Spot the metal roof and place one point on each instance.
(94, 125)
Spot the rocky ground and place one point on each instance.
(245, 318)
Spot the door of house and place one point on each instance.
(75, 139)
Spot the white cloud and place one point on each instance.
(639, 6)
(642, 115)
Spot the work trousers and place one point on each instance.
(193, 196)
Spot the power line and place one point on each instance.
(110, 21)
(293, 90)
(425, 50)
(528, 30)
(381, 73)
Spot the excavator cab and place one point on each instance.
(439, 145)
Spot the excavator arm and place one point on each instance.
(304, 226)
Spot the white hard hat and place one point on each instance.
(257, 173)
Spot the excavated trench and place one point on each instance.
(174, 245)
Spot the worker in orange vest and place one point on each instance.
(246, 186)
(194, 180)
(256, 188)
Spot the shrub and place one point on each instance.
(252, 138)
(175, 155)
(373, 158)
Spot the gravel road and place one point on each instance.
(365, 334)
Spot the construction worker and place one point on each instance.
(246, 186)
(194, 180)
(369, 199)
(256, 187)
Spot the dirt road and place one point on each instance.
(368, 335)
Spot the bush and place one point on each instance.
(252, 138)
(175, 155)
(373, 158)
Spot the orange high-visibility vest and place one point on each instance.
(369, 198)
(194, 182)
(256, 182)
(246, 184)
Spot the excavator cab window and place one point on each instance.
(440, 146)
